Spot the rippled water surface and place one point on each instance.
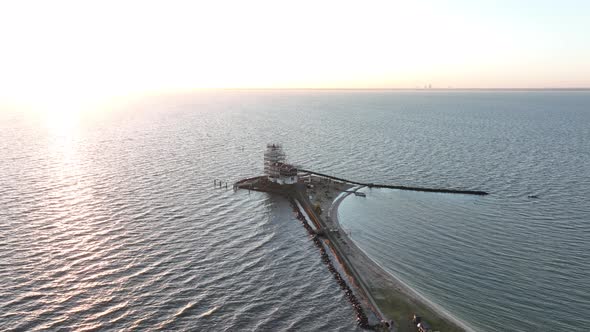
(111, 220)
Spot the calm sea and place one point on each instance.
(111, 221)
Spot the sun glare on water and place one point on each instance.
(63, 121)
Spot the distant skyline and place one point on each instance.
(60, 50)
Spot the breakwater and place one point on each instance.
(301, 196)
(373, 185)
(388, 302)
(297, 194)
(361, 317)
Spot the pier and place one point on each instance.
(373, 185)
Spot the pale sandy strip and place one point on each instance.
(405, 288)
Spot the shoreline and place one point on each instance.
(387, 277)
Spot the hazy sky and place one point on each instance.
(82, 48)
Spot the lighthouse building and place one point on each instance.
(275, 167)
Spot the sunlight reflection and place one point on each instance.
(62, 119)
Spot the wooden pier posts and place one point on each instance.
(220, 183)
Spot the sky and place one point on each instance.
(53, 50)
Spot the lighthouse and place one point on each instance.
(275, 166)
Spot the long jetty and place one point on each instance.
(373, 185)
(298, 193)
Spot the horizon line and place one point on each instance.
(402, 89)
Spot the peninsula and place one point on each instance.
(386, 303)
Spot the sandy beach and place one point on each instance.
(393, 299)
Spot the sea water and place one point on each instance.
(112, 221)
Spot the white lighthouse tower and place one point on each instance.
(275, 167)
